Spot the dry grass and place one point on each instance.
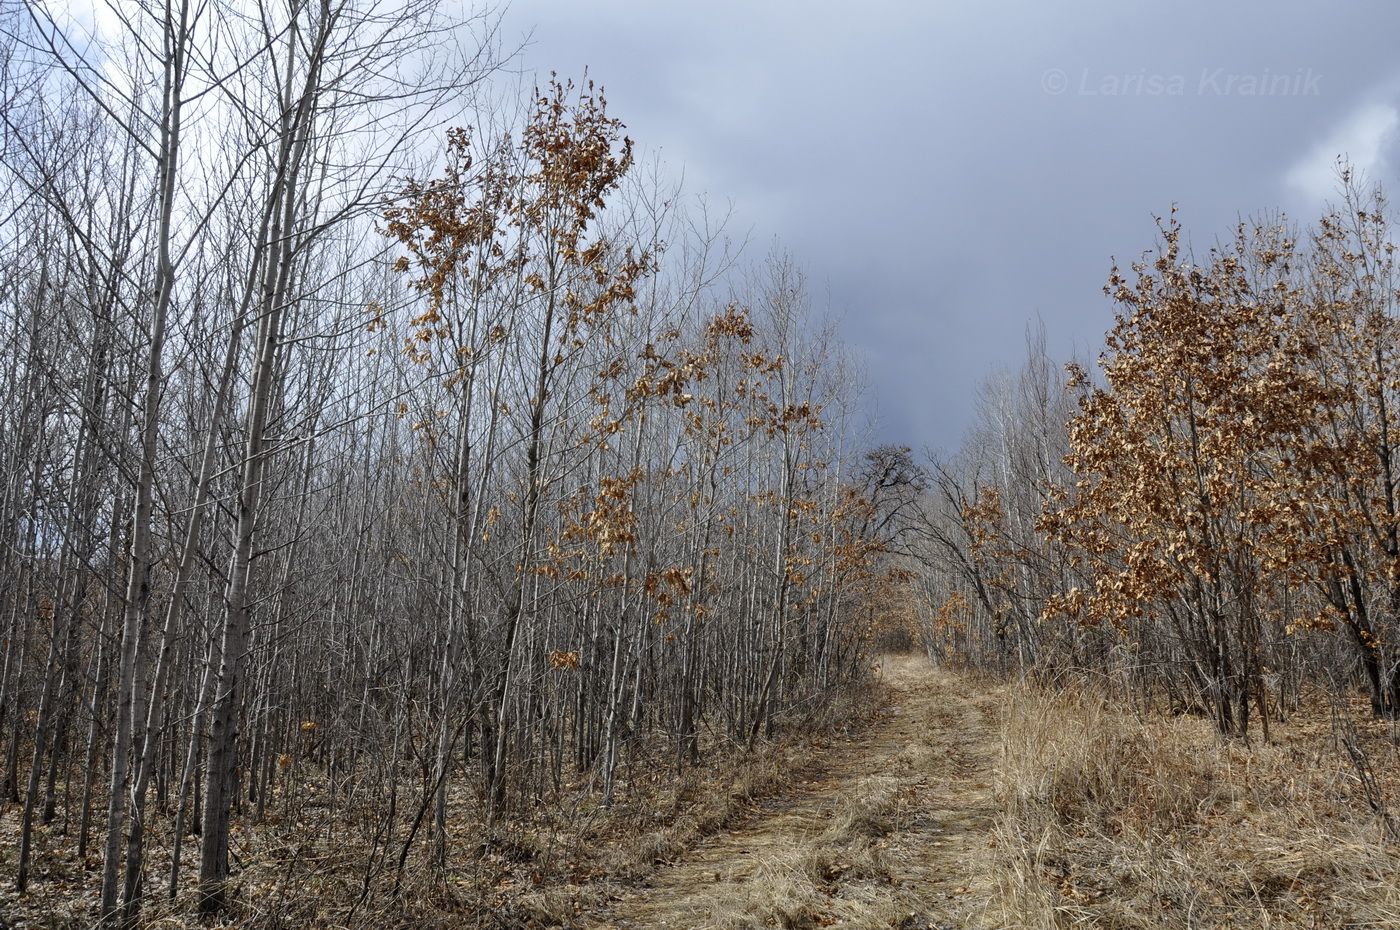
(833, 877)
(853, 844)
(662, 816)
(1112, 822)
(568, 859)
(865, 812)
(548, 865)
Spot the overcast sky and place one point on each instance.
(948, 171)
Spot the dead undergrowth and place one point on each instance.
(1109, 821)
(935, 801)
(307, 866)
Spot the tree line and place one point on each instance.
(368, 440)
(1210, 518)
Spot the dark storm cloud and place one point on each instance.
(947, 172)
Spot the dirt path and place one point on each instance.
(889, 835)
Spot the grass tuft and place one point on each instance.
(1108, 821)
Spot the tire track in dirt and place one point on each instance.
(892, 832)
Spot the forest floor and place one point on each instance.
(968, 803)
(888, 828)
(935, 800)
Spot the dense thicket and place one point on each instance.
(329, 472)
(1214, 516)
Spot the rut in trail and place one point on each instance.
(889, 834)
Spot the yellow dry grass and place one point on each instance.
(890, 832)
(1114, 822)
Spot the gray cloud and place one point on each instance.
(947, 172)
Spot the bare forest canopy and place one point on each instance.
(382, 463)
